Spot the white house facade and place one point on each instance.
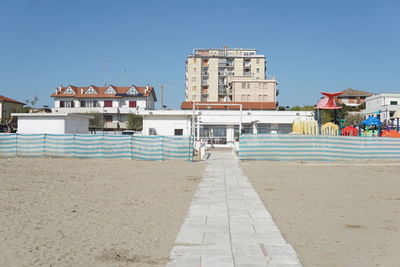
(114, 103)
(384, 104)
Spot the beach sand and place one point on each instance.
(92, 212)
(334, 215)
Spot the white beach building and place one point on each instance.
(220, 126)
(52, 123)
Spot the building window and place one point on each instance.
(107, 103)
(265, 97)
(108, 118)
(69, 104)
(248, 97)
(83, 104)
(194, 88)
(258, 70)
(248, 85)
(132, 104)
(61, 104)
(393, 102)
(243, 86)
(193, 79)
(178, 132)
(194, 97)
(243, 98)
(194, 69)
(260, 98)
(258, 61)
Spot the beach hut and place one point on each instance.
(370, 123)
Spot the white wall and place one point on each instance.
(53, 125)
(41, 125)
(166, 124)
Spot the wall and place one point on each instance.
(165, 125)
(76, 125)
(6, 108)
(268, 89)
(40, 125)
(213, 79)
(306, 147)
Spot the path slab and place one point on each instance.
(228, 225)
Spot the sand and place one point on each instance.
(341, 215)
(92, 212)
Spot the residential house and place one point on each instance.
(114, 103)
(352, 97)
(8, 106)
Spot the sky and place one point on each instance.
(310, 45)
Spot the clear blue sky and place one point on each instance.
(311, 45)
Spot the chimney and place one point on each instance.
(59, 88)
(147, 89)
(56, 92)
(81, 91)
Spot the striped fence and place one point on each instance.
(97, 146)
(316, 147)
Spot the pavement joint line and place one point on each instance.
(227, 223)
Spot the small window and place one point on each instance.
(194, 69)
(193, 79)
(243, 86)
(248, 86)
(258, 61)
(83, 104)
(194, 88)
(132, 104)
(393, 102)
(258, 70)
(90, 91)
(61, 104)
(107, 103)
(178, 132)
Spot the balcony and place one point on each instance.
(204, 82)
(227, 65)
(111, 110)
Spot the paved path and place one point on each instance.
(228, 225)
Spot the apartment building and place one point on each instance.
(114, 103)
(209, 75)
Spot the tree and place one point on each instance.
(303, 108)
(97, 120)
(353, 119)
(135, 122)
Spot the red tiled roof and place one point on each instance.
(353, 92)
(6, 99)
(80, 91)
(222, 105)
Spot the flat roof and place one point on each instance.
(51, 115)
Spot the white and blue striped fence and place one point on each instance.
(97, 146)
(316, 147)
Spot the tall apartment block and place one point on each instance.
(229, 75)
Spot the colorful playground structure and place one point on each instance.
(371, 126)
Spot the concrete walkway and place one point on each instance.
(227, 224)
